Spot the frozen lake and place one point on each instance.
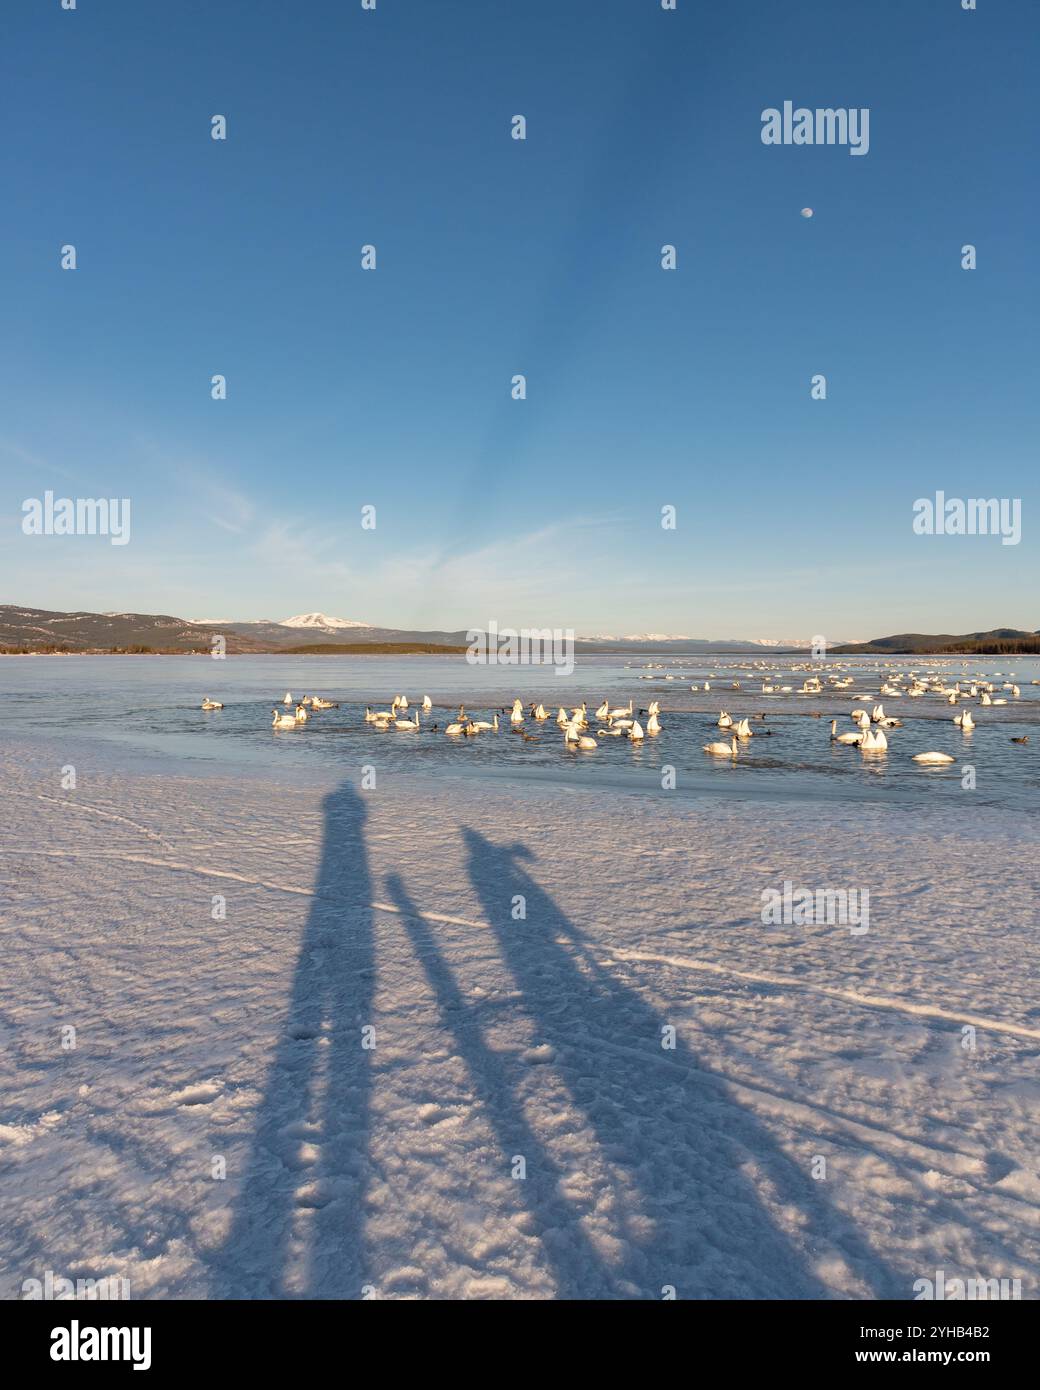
(150, 706)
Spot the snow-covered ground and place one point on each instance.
(517, 1129)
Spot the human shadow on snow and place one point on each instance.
(317, 1092)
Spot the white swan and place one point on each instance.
(653, 724)
(965, 721)
(541, 712)
(654, 707)
(743, 729)
(427, 704)
(483, 724)
(288, 698)
(603, 710)
(319, 703)
(573, 738)
(873, 742)
(724, 721)
(721, 750)
(283, 721)
(622, 712)
(403, 724)
(301, 715)
(455, 729)
(934, 758)
(843, 738)
(211, 704)
(635, 733)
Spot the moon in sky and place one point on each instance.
(806, 212)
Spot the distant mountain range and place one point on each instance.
(39, 629)
(999, 641)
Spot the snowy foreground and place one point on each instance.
(505, 1045)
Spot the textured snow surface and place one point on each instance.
(506, 1044)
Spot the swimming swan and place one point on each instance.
(211, 704)
(721, 750)
(843, 738)
(573, 739)
(934, 758)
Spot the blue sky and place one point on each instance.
(541, 257)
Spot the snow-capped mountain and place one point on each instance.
(320, 621)
(640, 637)
(795, 641)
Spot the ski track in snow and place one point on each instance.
(238, 1041)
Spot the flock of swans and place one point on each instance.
(574, 725)
(580, 734)
(583, 730)
(868, 738)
